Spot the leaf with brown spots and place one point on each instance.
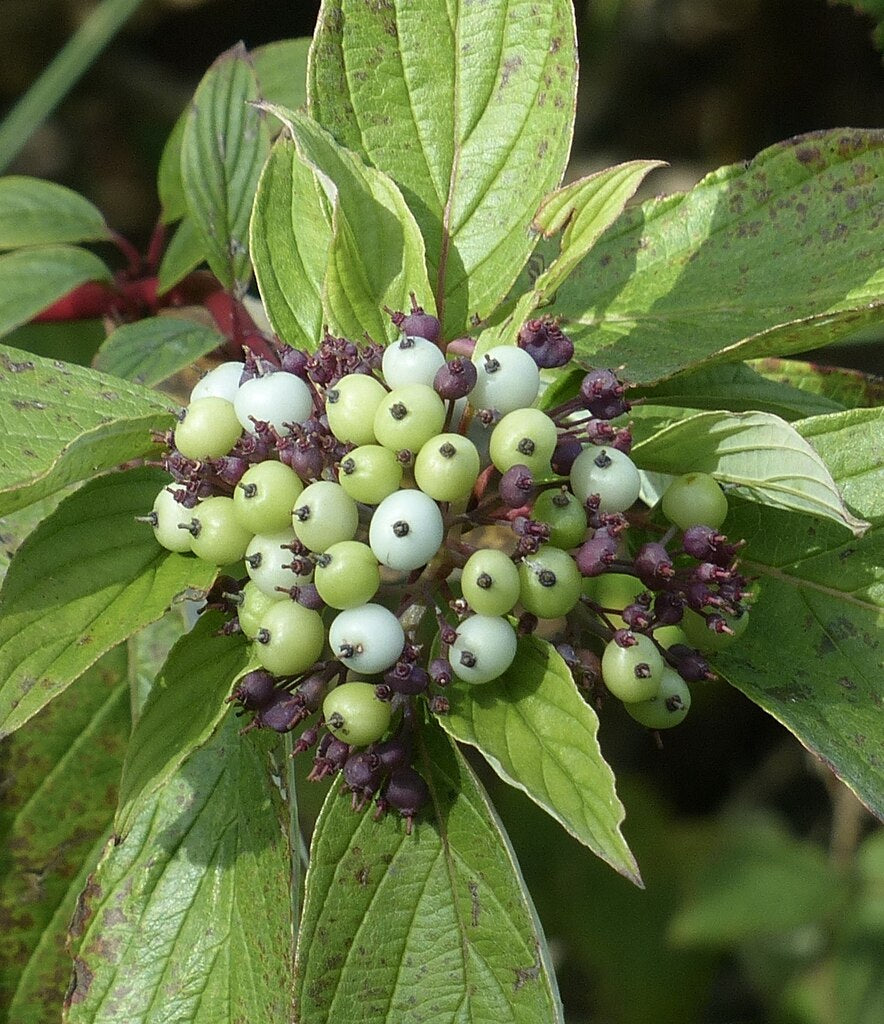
(188, 911)
(61, 423)
(469, 107)
(813, 655)
(59, 780)
(433, 926)
(89, 569)
(780, 255)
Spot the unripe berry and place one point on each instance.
(208, 430)
(484, 649)
(353, 714)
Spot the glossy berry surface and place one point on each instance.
(633, 672)
(324, 514)
(507, 378)
(446, 467)
(351, 405)
(368, 638)
(490, 582)
(668, 708)
(564, 514)
(354, 714)
(277, 399)
(209, 429)
(370, 473)
(268, 558)
(406, 530)
(412, 360)
(347, 574)
(694, 499)
(607, 473)
(252, 608)
(265, 496)
(216, 534)
(484, 649)
(290, 638)
(523, 437)
(220, 382)
(408, 417)
(167, 518)
(550, 582)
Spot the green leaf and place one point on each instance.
(87, 578)
(60, 423)
(170, 186)
(850, 388)
(148, 650)
(436, 925)
(374, 254)
(281, 68)
(290, 237)
(186, 917)
(539, 734)
(483, 97)
(758, 880)
(60, 777)
(37, 212)
(184, 708)
(779, 255)
(152, 350)
(184, 253)
(73, 341)
(735, 387)
(761, 456)
(32, 279)
(811, 655)
(582, 211)
(225, 144)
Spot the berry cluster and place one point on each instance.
(381, 498)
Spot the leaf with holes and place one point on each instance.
(87, 578)
(50, 827)
(821, 609)
(379, 902)
(760, 455)
(152, 350)
(487, 95)
(223, 149)
(780, 255)
(189, 908)
(539, 734)
(61, 423)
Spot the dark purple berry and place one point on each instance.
(456, 379)
(636, 616)
(394, 753)
(544, 341)
(668, 608)
(416, 323)
(282, 713)
(690, 664)
(566, 451)
(363, 773)
(407, 792)
(293, 360)
(653, 566)
(254, 690)
(440, 671)
(516, 486)
(596, 554)
(406, 678)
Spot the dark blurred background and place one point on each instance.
(698, 83)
